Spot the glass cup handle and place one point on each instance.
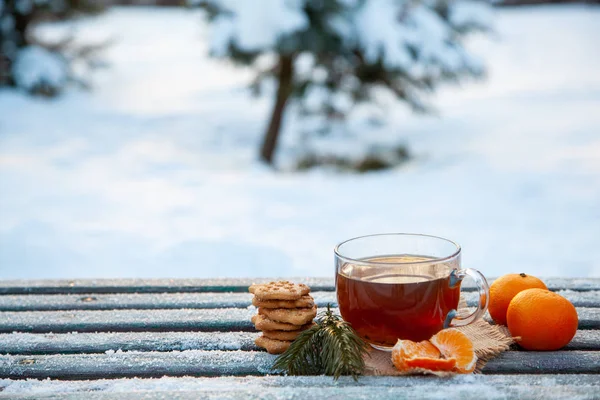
(453, 319)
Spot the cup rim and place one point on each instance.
(336, 250)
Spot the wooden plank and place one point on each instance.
(549, 362)
(125, 301)
(581, 299)
(318, 387)
(142, 301)
(89, 286)
(92, 286)
(217, 363)
(223, 319)
(67, 343)
(585, 340)
(136, 364)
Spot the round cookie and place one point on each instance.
(305, 301)
(271, 345)
(294, 316)
(263, 323)
(281, 290)
(284, 335)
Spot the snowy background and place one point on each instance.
(153, 173)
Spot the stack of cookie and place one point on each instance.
(284, 310)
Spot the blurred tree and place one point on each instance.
(339, 51)
(26, 62)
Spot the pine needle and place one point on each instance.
(331, 347)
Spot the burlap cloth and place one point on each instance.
(488, 340)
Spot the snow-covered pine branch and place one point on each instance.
(338, 51)
(26, 62)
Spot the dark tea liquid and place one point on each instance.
(385, 304)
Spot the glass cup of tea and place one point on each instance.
(402, 286)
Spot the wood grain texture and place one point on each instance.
(318, 387)
(548, 362)
(125, 301)
(136, 364)
(66, 343)
(222, 319)
(238, 285)
(217, 285)
(585, 340)
(100, 342)
(218, 363)
(153, 328)
(141, 301)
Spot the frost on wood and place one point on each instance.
(102, 342)
(131, 301)
(37, 69)
(127, 320)
(276, 387)
(124, 301)
(133, 363)
(128, 285)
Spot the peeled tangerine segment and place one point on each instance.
(453, 343)
(406, 350)
(432, 364)
(448, 350)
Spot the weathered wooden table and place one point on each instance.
(192, 339)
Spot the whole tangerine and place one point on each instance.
(541, 320)
(503, 289)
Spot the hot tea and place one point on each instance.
(385, 304)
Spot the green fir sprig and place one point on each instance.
(331, 347)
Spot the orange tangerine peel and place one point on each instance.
(449, 350)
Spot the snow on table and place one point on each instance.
(96, 301)
(184, 353)
(368, 388)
